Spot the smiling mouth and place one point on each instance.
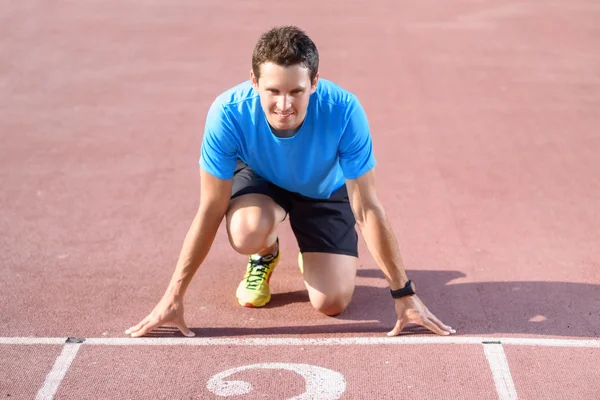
(284, 115)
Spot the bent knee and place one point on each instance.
(249, 233)
(331, 305)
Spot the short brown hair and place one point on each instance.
(286, 46)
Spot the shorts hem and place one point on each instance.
(331, 251)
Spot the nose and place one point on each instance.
(284, 102)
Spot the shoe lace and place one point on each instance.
(258, 270)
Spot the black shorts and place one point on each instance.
(320, 226)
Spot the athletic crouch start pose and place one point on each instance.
(288, 144)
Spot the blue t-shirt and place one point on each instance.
(333, 143)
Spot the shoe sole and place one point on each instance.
(254, 305)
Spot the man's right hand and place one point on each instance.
(169, 311)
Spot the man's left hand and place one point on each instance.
(411, 310)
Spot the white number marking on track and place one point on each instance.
(321, 383)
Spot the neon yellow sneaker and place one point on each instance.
(254, 290)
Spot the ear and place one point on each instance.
(313, 86)
(253, 80)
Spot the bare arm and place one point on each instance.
(382, 244)
(214, 200)
(372, 222)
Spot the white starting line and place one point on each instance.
(492, 346)
(290, 341)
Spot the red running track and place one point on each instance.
(485, 122)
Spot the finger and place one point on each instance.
(440, 324)
(398, 328)
(146, 329)
(137, 327)
(427, 323)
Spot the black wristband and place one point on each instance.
(407, 290)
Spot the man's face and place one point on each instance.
(284, 93)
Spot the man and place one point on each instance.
(289, 143)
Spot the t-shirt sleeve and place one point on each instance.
(218, 153)
(356, 146)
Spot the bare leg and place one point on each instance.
(330, 280)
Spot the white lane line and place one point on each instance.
(547, 342)
(32, 340)
(500, 371)
(406, 340)
(295, 341)
(58, 372)
(281, 341)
